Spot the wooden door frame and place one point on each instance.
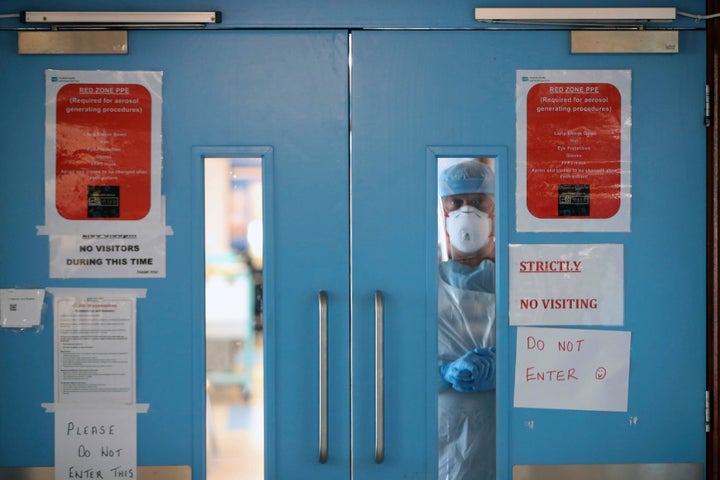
(713, 243)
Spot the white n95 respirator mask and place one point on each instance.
(468, 228)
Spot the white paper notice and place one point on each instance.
(21, 308)
(571, 369)
(95, 443)
(95, 350)
(107, 256)
(566, 284)
(103, 152)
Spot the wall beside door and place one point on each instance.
(203, 72)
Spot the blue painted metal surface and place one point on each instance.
(306, 227)
(284, 90)
(458, 88)
(229, 92)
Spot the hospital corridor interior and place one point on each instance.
(235, 425)
(233, 306)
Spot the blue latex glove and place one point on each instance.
(473, 372)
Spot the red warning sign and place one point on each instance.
(103, 151)
(573, 150)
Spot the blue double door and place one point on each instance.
(350, 154)
(354, 215)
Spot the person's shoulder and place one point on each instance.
(480, 277)
(445, 270)
(487, 263)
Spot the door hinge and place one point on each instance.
(708, 105)
(707, 411)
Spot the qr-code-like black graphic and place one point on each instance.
(573, 200)
(104, 201)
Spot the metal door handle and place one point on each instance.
(379, 380)
(322, 365)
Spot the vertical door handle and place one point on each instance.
(322, 364)
(379, 380)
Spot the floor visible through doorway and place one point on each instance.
(235, 427)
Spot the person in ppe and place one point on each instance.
(466, 323)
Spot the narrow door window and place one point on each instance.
(233, 318)
(466, 320)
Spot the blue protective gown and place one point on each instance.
(466, 421)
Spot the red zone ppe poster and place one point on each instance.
(573, 153)
(103, 151)
(104, 209)
(573, 150)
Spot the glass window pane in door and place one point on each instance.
(466, 318)
(233, 318)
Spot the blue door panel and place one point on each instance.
(289, 93)
(286, 91)
(412, 90)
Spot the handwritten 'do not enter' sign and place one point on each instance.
(572, 369)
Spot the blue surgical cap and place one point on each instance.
(468, 176)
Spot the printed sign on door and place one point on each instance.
(103, 155)
(566, 284)
(573, 150)
(103, 151)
